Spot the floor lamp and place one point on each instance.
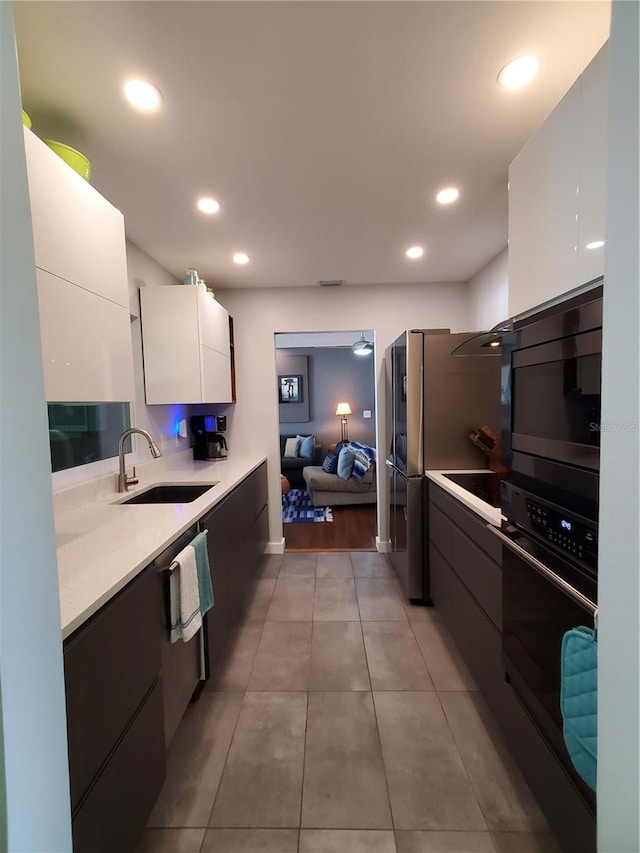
(344, 409)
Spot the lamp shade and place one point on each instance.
(343, 409)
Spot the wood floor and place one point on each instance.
(353, 529)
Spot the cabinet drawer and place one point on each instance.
(115, 812)
(476, 637)
(441, 531)
(474, 526)
(109, 665)
(481, 576)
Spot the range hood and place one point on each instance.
(485, 343)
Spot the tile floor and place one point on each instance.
(345, 722)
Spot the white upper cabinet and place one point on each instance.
(543, 188)
(77, 234)
(185, 337)
(593, 162)
(81, 271)
(557, 196)
(86, 344)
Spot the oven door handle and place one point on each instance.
(555, 579)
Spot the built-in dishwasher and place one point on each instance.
(182, 664)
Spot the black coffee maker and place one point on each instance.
(208, 440)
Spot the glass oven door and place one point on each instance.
(543, 597)
(556, 400)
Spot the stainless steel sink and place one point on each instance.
(170, 493)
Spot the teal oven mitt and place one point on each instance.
(579, 700)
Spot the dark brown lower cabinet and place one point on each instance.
(465, 564)
(114, 813)
(238, 534)
(115, 722)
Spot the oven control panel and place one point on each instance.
(565, 531)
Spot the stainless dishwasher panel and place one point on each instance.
(181, 663)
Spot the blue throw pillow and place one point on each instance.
(330, 464)
(305, 450)
(345, 463)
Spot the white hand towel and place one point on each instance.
(186, 618)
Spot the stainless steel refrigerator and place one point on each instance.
(434, 401)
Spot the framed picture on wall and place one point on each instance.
(290, 389)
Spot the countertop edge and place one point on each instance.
(73, 613)
(488, 513)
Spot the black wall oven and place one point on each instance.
(551, 403)
(551, 433)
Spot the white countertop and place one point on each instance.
(102, 545)
(489, 513)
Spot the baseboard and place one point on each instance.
(383, 545)
(275, 547)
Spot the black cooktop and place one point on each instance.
(484, 485)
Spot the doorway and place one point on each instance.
(326, 392)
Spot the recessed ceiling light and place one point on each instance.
(208, 205)
(415, 252)
(447, 195)
(241, 258)
(142, 95)
(494, 343)
(597, 244)
(519, 72)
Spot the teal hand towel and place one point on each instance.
(205, 587)
(579, 700)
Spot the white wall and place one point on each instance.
(619, 552)
(36, 813)
(259, 314)
(489, 293)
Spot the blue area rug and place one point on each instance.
(297, 506)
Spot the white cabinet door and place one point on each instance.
(86, 344)
(77, 234)
(178, 367)
(216, 376)
(543, 228)
(593, 161)
(213, 322)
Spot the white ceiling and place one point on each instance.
(323, 128)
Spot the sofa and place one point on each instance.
(293, 467)
(332, 490)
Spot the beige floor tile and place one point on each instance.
(271, 566)
(420, 841)
(344, 784)
(299, 565)
(334, 565)
(378, 600)
(505, 798)
(335, 600)
(292, 600)
(251, 841)
(428, 784)
(259, 605)
(369, 564)
(394, 660)
(282, 659)
(525, 842)
(338, 660)
(447, 669)
(233, 673)
(171, 841)
(262, 780)
(196, 760)
(347, 841)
